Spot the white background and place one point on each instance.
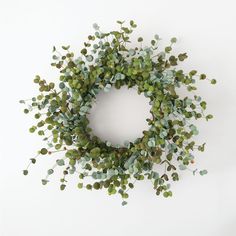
(203, 206)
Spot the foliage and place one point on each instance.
(106, 61)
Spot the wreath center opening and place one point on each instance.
(119, 115)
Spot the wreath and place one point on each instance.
(106, 61)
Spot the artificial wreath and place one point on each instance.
(108, 60)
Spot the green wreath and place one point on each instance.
(106, 61)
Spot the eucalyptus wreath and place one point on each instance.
(108, 60)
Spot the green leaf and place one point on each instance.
(50, 172)
(95, 26)
(89, 58)
(32, 129)
(54, 57)
(182, 56)
(33, 160)
(84, 51)
(193, 72)
(66, 47)
(95, 152)
(58, 146)
(201, 148)
(22, 101)
(89, 187)
(60, 162)
(25, 172)
(166, 194)
(45, 181)
(208, 117)
(132, 52)
(168, 49)
(120, 22)
(119, 76)
(213, 81)
(203, 104)
(37, 79)
(107, 88)
(151, 143)
(80, 185)
(132, 24)
(140, 39)
(153, 42)
(173, 40)
(26, 111)
(156, 36)
(61, 85)
(96, 185)
(62, 187)
(43, 151)
(202, 77)
(203, 172)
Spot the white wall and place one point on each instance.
(203, 206)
